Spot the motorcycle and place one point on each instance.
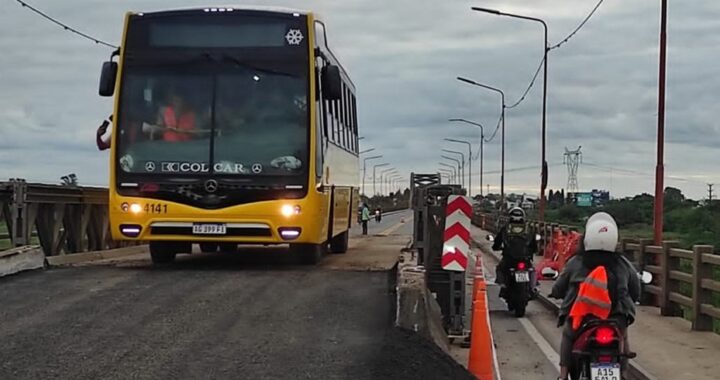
(520, 284)
(599, 350)
(378, 216)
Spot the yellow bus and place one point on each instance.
(232, 126)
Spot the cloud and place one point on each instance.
(404, 56)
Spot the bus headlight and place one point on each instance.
(135, 208)
(290, 210)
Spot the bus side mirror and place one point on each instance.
(107, 78)
(331, 82)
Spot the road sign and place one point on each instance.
(456, 240)
(584, 199)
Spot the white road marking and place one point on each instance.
(542, 344)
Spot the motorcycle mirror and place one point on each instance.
(489, 238)
(646, 277)
(549, 273)
(538, 237)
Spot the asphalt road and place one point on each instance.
(517, 340)
(388, 221)
(206, 316)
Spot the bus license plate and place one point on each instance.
(605, 371)
(209, 229)
(522, 277)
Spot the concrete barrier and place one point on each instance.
(416, 309)
(21, 259)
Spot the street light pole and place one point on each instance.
(482, 141)
(502, 133)
(660, 169)
(448, 173)
(460, 166)
(374, 169)
(453, 169)
(469, 162)
(382, 182)
(462, 161)
(364, 167)
(546, 49)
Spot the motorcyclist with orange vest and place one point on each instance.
(596, 282)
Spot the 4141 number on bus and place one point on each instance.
(156, 208)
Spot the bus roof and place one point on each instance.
(260, 8)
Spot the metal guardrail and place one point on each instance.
(65, 219)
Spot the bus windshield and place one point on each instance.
(217, 117)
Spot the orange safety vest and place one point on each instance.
(593, 298)
(186, 121)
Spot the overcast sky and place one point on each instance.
(403, 56)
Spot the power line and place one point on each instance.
(64, 26)
(542, 61)
(496, 130)
(518, 169)
(530, 86)
(639, 173)
(582, 24)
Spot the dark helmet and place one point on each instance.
(516, 215)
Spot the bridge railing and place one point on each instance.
(61, 219)
(686, 282)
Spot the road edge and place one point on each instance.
(88, 257)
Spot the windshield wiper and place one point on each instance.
(230, 58)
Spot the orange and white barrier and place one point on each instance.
(561, 247)
(456, 239)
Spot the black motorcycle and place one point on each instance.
(520, 286)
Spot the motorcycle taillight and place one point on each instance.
(521, 265)
(605, 335)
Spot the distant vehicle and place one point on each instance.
(234, 125)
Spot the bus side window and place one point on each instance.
(355, 123)
(343, 130)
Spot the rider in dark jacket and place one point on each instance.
(515, 241)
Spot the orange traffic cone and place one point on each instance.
(481, 345)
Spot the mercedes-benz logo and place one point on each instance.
(150, 166)
(257, 168)
(211, 186)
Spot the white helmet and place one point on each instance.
(601, 233)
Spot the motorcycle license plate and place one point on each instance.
(522, 277)
(605, 371)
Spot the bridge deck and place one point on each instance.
(249, 315)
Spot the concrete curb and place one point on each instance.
(87, 257)
(635, 371)
(21, 259)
